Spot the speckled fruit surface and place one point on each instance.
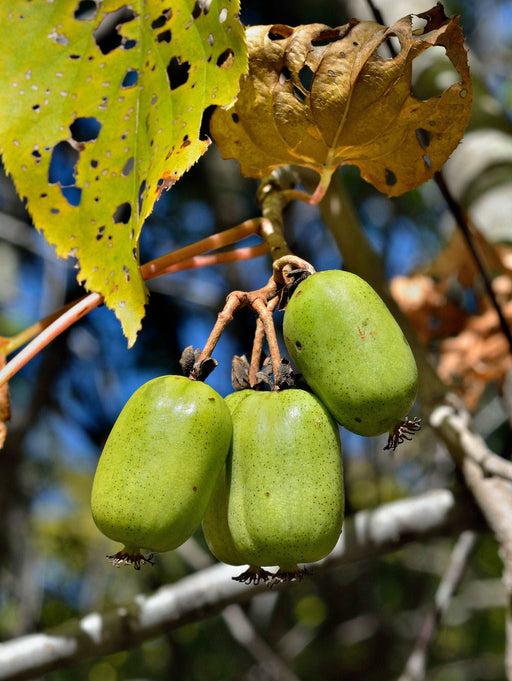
(286, 498)
(160, 463)
(351, 351)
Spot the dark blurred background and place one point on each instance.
(358, 622)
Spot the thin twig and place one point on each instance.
(270, 332)
(52, 326)
(235, 300)
(459, 215)
(416, 666)
(257, 349)
(463, 225)
(72, 314)
(154, 268)
(240, 626)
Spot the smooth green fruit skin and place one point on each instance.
(215, 521)
(160, 463)
(351, 351)
(286, 497)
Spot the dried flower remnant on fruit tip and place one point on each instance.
(129, 556)
(401, 432)
(254, 575)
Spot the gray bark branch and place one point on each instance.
(366, 535)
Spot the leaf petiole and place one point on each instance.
(188, 257)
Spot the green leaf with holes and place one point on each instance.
(102, 112)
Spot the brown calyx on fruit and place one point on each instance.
(130, 557)
(254, 575)
(285, 575)
(401, 432)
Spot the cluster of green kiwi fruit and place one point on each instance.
(262, 470)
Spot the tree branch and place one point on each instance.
(415, 668)
(448, 417)
(365, 535)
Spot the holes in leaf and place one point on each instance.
(94, 164)
(162, 19)
(383, 51)
(85, 129)
(37, 155)
(36, 108)
(390, 177)
(126, 272)
(223, 15)
(128, 167)
(101, 231)
(73, 195)
(418, 24)
(164, 37)
(186, 142)
(284, 75)
(326, 37)
(427, 162)
(130, 79)
(211, 40)
(85, 10)
(204, 130)
(226, 59)
(63, 165)
(123, 213)
(306, 76)
(299, 95)
(279, 32)
(107, 36)
(432, 73)
(298, 345)
(177, 72)
(235, 117)
(201, 7)
(423, 136)
(142, 188)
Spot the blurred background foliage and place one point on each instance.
(360, 621)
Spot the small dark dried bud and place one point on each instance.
(188, 358)
(240, 373)
(254, 575)
(293, 279)
(203, 369)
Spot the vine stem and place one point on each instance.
(159, 266)
(188, 257)
(257, 349)
(265, 313)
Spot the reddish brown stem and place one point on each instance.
(265, 314)
(257, 349)
(72, 314)
(185, 258)
(234, 255)
(156, 267)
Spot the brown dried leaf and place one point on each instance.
(321, 97)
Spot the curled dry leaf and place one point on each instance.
(471, 348)
(321, 97)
